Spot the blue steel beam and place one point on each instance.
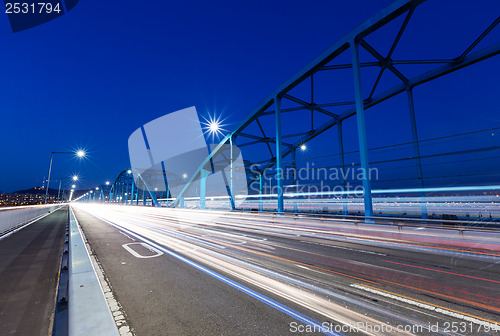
(416, 149)
(415, 81)
(122, 181)
(386, 15)
(394, 10)
(360, 118)
(383, 17)
(345, 210)
(279, 158)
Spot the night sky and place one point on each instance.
(91, 77)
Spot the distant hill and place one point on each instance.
(37, 191)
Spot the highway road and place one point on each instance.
(187, 272)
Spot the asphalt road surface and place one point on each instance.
(182, 272)
(29, 273)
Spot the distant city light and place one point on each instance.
(75, 177)
(80, 153)
(129, 171)
(96, 188)
(184, 175)
(73, 186)
(107, 182)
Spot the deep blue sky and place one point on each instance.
(91, 77)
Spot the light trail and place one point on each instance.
(234, 244)
(421, 304)
(435, 270)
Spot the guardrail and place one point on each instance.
(13, 218)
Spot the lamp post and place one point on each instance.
(73, 178)
(79, 153)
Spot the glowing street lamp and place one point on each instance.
(107, 182)
(213, 126)
(303, 147)
(79, 153)
(74, 178)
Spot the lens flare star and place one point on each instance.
(213, 126)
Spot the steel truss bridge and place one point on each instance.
(303, 96)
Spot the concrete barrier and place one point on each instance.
(13, 218)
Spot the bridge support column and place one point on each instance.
(416, 151)
(231, 194)
(261, 207)
(119, 192)
(294, 182)
(203, 187)
(125, 194)
(279, 163)
(360, 119)
(132, 192)
(342, 167)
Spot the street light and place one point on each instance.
(79, 153)
(107, 182)
(303, 147)
(213, 126)
(74, 178)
